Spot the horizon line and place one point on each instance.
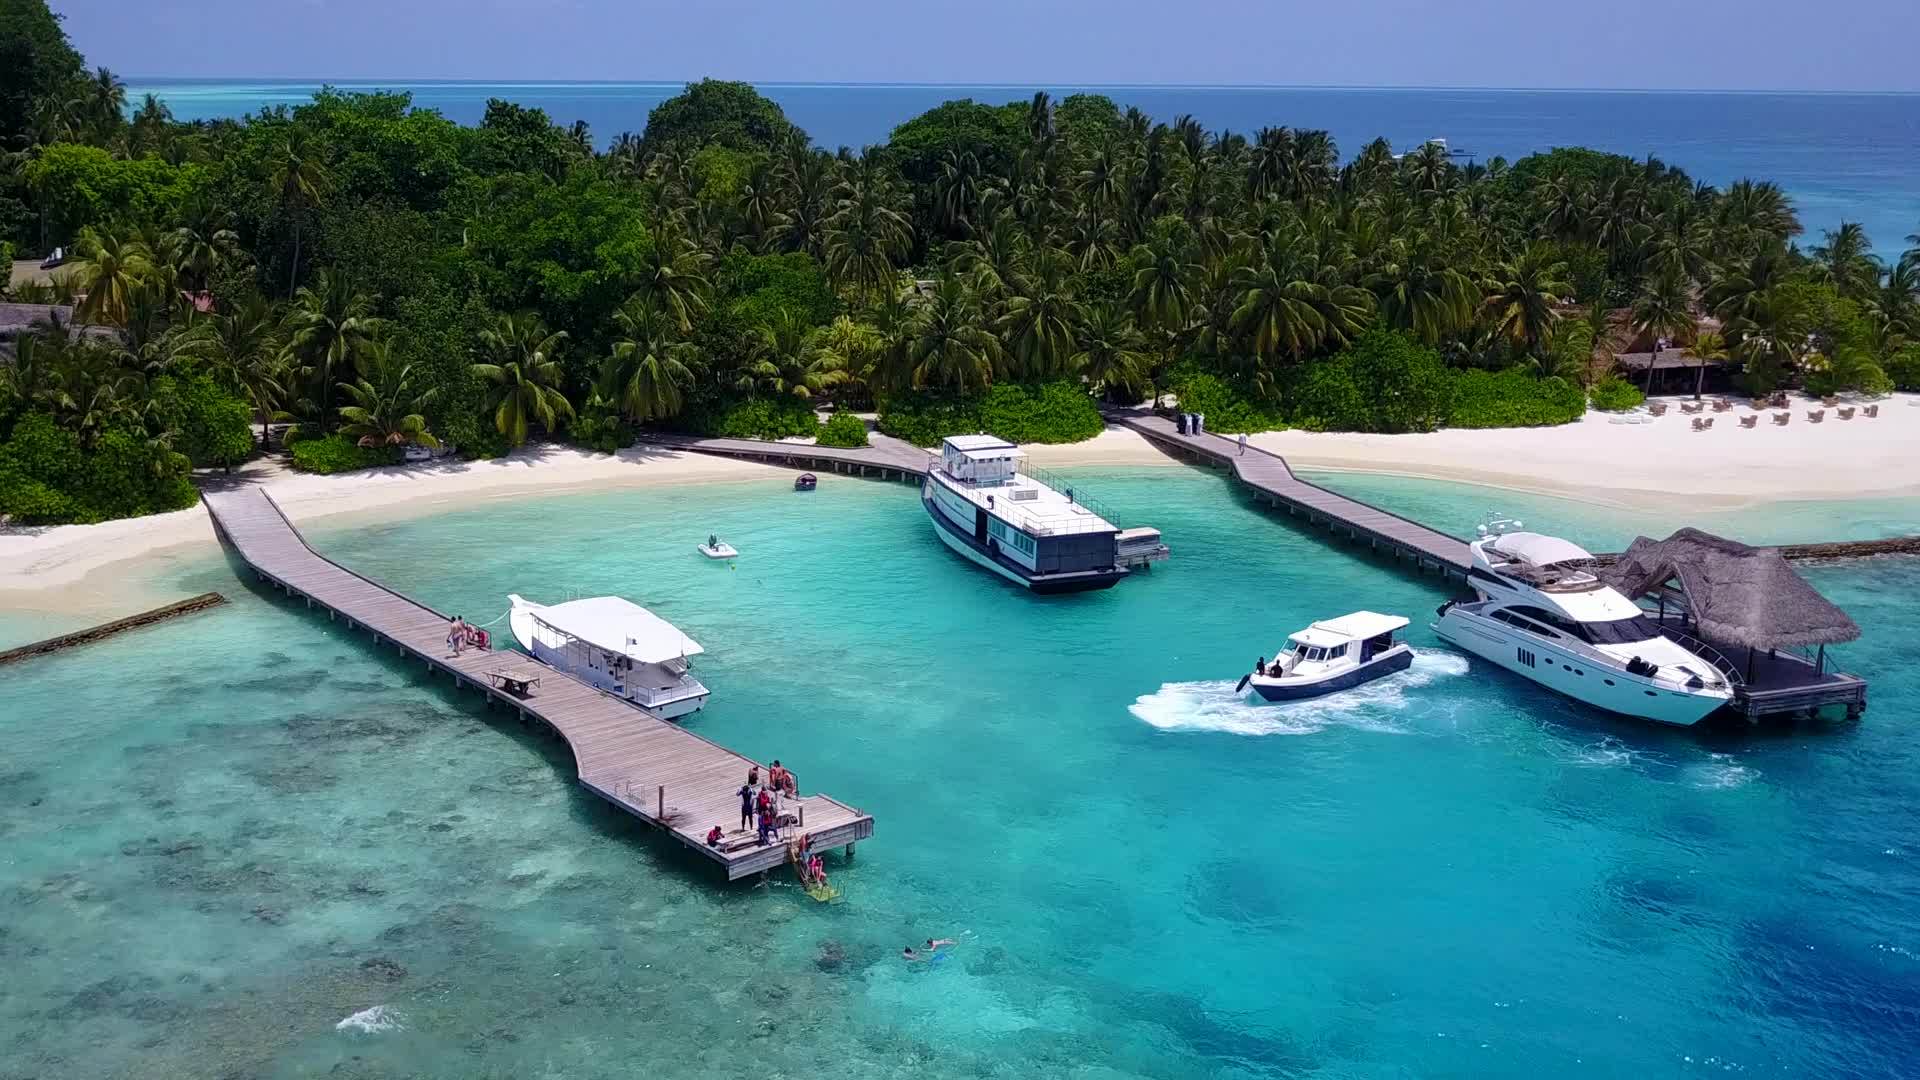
(359, 80)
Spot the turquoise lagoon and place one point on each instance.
(225, 836)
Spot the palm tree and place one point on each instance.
(1664, 309)
(646, 375)
(673, 274)
(958, 189)
(850, 353)
(783, 361)
(105, 100)
(1709, 346)
(1423, 292)
(1845, 261)
(204, 240)
(868, 233)
(110, 269)
(329, 323)
(518, 357)
(300, 180)
(388, 402)
(1769, 336)
(1111, 355)
(1282, 307)
(243, 347)
(947, 344)
(1037, 327)
(1525, 291)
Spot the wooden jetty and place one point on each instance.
(1272, 481)
(659, 772)
(117, 626)
(887, 458)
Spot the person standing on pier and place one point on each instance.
(1243, 442)
(746, 804)
(456, 635)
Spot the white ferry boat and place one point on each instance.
(614, 645)
(989, 508)
(1544, 616)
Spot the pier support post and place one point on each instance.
(849, 851)
(660, 812)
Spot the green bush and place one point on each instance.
(843, 429)
(1230, 408)
(1614, 394)
(1903, 368)
(1513, 398)
(337, 454)
(47, 477)
(1385, 381)
(752, 418)
(609, 434)
(212, 427)
(1056, 412)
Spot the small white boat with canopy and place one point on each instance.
(1331, 655)
(614, 645)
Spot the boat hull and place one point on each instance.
(1397, 659)
(973, 551)
(1574, 675)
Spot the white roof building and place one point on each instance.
(620, 626)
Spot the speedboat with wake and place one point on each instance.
(615, 645)
(1337, 654)
(1543, 615)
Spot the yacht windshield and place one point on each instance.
(1620, 632)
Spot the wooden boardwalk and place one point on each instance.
(887, 458)
(1269, 477)
(657, 771)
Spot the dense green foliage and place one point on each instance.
(338, 454)
(1613, 394)
(1903, 368)
(1056, 412)
(753, 418)
(1511, 398)
(843, 429)
(1229, 409)
(51, 475)
(1384, 382)
(371, 268)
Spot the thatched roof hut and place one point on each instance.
(1738, 595)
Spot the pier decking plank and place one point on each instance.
(620, 753)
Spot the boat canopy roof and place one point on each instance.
(1358, 626)
(1530, 547)
(619, 625)
(988, 447)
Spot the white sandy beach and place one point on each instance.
(88, 572)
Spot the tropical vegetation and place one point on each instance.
(386, 277)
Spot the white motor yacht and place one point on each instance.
(614, 645)
(1543, 615)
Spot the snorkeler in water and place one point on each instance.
(934, 944)
(909, 955)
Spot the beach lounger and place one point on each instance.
(1692, 407)
(1707, 424)
(1657, 408)
(1814, 416)
(1782, 418)
(1750, 421)
(1846, 413)
(1721, 405)
(1699, 425)
(1829, 401)
(1872, 411)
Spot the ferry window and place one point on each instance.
(1340, 650)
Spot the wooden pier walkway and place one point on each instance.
(1272, 480)
(888, 458)
(117, 626)
(659, 772)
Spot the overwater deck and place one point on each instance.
(657, 771)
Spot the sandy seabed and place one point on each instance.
(96, 572)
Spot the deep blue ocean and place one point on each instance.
(1852, 157)
(227, 840)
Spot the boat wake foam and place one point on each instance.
(372, 1021)
(1213, 705)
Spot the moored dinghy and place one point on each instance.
(715, 548)
(1337, 654)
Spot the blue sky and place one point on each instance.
(1661, 44)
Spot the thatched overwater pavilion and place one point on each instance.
(1737, 598)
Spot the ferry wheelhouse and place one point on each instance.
(989, 507)
(1544, 615)
(614, 645)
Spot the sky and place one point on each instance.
(1637, 44)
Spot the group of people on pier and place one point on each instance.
(462, 635)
